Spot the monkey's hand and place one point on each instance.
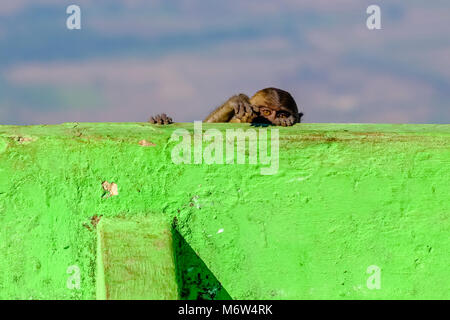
(160, 119)
(236, 109)
(285, 122)
(243, 110)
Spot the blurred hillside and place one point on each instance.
(134, 58)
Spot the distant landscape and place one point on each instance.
(133, 58)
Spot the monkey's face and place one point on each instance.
(276, 107)
(272, 114)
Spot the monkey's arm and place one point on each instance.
(236, 109)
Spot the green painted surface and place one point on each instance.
(346, 196)
(136, 259)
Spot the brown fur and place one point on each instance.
(278, 106)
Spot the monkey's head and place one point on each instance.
(275, 106)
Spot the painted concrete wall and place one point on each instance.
(346, 199)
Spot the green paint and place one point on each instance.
(3, 145)
(145, 258)
(100, 275)
(195, 280)
(137, 260)
(346, 196)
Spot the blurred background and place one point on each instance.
(136, 58)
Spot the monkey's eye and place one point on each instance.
(283, 115)
(266, 112)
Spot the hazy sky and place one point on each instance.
(135, 58)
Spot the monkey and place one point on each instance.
(269, 106)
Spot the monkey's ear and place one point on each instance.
(300, 115)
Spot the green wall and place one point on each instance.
(345, 197)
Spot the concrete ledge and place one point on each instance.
(347, 201)
(136, 259)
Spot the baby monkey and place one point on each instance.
(267, 106)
